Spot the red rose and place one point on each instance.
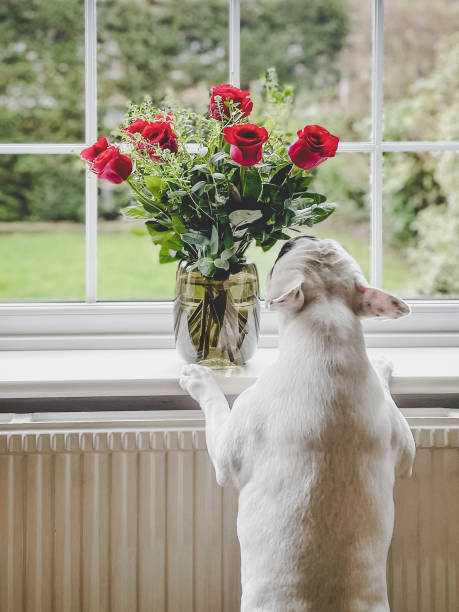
(229, 92)
(112, 166)
(314, 145)
(136, 126)
(246, 142)
(156, 133)
(91, 153)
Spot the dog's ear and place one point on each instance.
(292, 299)
(373, 302)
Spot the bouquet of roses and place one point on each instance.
(208, 186)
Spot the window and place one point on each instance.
(381, 74)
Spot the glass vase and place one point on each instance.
(217, 320)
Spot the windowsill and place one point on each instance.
(154, 372)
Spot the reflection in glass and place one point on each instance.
(42, 251)
(421, 224)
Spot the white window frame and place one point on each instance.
(107, 325)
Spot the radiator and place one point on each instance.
(127, 517)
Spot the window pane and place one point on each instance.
(421, 224)
(42, 71)
(321, 47)
(41, 227)
(128, 262)
(421, 76)
(158, 49)
(345, 180)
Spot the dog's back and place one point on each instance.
(315, 507)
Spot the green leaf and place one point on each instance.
(228, 239)
(317, 198)
(197, 186)
(176, 193)
(218, 176)
(281, 175)
(168, 239)
(206, 266)
(251, 183)
(195, 238)
(216, 157)
(213, 244)
(322, 212)
(298, 204)
(154, 185)
(167, 255)
(221, 263)
(305, 182)
(242, 217)
(201, 168)
(151, 208)
(270, 190)
(135, 212)
(177, 224)
(226, 254)
(158, 227)
(315, 214)
(268, 245)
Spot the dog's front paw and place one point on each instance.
(199, 382)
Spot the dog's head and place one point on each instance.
(309, 270)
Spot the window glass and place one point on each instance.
(42, 71)
(345, 180)
(42, 253)
(421, 70)
(160, 49)
(421, 224)
(323, 48)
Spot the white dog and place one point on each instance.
(314, 445)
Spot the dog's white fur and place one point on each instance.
(314, 445)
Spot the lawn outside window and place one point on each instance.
(96, 323)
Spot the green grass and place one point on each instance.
(49, 265)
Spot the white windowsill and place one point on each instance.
(154, 372)
(149, 325)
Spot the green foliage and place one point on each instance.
(201, 206)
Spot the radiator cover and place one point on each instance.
(126, 516)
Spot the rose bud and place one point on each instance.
(314, 145)
(246, 142)
(161, 117)
(112, 166)
(97, 148)
(155, 133)
(229, 92)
